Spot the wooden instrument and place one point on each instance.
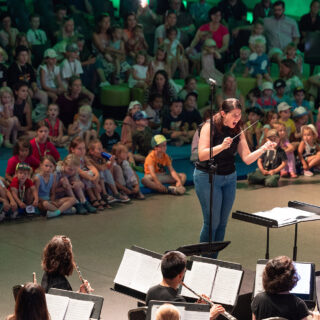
(81, 278)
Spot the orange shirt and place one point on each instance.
(159, 164)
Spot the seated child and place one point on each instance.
(270, 164)
(125, 178)
(290, 168)
(22, 152)
(137, 42)
(190, 85)
(110, 137)
(104, 167)
(257, 34)
(279, 88)
(89, 174)
(153, 111)
(55, 126)
(45, 182)
(270, 119)
(253, 134)
(284, 117)
(258, 63)
(191, 114)
(300, 118)
(9, 123)
(40, 145)
(299, 100)
(172, 124)
(69, 184)
(138, 74)
(83, 124)
(23, 190)
(239, 66)
(7, 203)
(309, 150)
(155, 167)
(141, 137)
(266, 101)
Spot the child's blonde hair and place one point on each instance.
(85, 109)
(310, 127)
(291, 45)
(70, 160)
(4, 90)
(92, 144)
(260, 42)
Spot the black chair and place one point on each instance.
(138, 313)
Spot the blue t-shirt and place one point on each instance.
(258, 64)
(304, 103)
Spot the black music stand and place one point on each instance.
(203, 248)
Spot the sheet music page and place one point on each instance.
(79, 310)
(147, 272)
(258, 286)
(226, 286)
(156, 307)
(57, 306)
(200, 279)
(184, 291)
(195, 315)
(128, 267)
(285, 215)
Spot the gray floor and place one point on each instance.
(160, 223)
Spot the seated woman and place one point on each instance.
(57, 263)
(30, 303)
(279, 277)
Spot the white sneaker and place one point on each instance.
(15, 214)
(71, 210)
(307, 173)
(104, 84)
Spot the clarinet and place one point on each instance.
(81, 278)
(226, 314)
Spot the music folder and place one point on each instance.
(188, 311)
(219, 280)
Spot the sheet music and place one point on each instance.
(258, 286)
(57, 306)
(226, 286)
(304, 272)
(195, 315)
(200, 279)
(285, 215)
(79, 310)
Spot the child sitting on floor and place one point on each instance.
(155, 167)
(309, 150)
(7, 203)
(270, 164)
(110, 137)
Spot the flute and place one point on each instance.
(225, 314)
(81, 278)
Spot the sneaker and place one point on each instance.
(104, 84)
(307, 173)
(80, 208)
(140, 196)
(89, 207)
(15, 215)
(71, 210)
(53, 214)
(108, 198)
(121, 198)
(7, 144)
(178, 191)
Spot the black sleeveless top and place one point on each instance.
(225, 160)
(18, 111)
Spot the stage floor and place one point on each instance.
(159, 223)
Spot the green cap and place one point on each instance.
(158, 139)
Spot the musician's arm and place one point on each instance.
(253, 317)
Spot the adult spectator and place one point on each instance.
(280, 30)
(199, 12)
(309, 22)
(289, 73)
(234, 12)
(101, 36)
(129, 24)
(160, 34)
(7, 33)
(229, 90)
(262, 10)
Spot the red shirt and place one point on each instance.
(13, 161)
(217, 35)
(15, 183)
(53, 130)
(42, 149)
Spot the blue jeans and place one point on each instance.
(224, 191)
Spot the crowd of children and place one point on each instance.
(51, 77)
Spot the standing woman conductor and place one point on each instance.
(226, 125)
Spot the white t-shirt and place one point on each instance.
(69, 69)
(49, 76)
(161, 33)
(141, 72)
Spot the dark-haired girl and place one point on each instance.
(279, 277)
(226, 125)
(58, 263)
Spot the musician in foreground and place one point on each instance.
(173, 267)
(279, 277)
(58, 263)
(227, 140)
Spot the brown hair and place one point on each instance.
(23, 142)
(118, 148)
(31, 303)
(75, 142)
(57, 256)
(227, 106)
(93, 143)
(294, 71)
(279, 275)
(49, 158)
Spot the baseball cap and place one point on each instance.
(140, 115)
(299, 112)
(279, 84)
(283, 106)
(72, 47)
(134, 103)
(267, 86)
(272, 133)
(50, 53)
(23, 166)
(158, 139)
(299, 89)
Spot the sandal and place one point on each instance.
(104, 204)
(97, 205)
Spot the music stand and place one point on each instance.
(203, 248)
